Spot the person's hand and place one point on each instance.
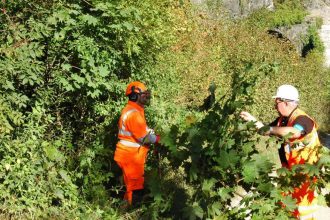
(247, 116)
(150, 131)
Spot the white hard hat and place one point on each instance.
(287, 92)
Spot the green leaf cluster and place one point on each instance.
(64, 69)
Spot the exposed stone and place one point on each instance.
(234, 8)
(325, 139)
(316, 4)
(239, 8)
(296, 34)
(324, 32)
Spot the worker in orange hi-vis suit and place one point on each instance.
(134, 140)
(300, 148)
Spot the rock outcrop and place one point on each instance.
(241, 8)
(234, 8)
(322, 10)
(296, 34)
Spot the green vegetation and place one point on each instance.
(64, 66)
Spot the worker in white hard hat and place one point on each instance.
(300, 148)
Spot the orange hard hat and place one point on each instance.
(136, 86)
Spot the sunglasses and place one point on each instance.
(279, 100)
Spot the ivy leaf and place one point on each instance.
(189, 213)
(66, 84)
(66, 67)
(94, 94)
(193, 211)
(289, 203)
(265, 187)
(129, 26)
(266, 208)
(154, 186)
(216, 208)
(262, 162)
(78, 79)
(250, 173)
(311, 170)
(227, 159)
(224, 193)
(324, 159)
(52, 153)
(9, 85)
(283, 171)
(89, 19)
(103, 71)
(169, 138)
(248, 147)
(229, 143)
(208, 184)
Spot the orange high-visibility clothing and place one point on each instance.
(299, 151)
(130, 154)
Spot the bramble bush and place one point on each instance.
(64, 67)
(217, 155)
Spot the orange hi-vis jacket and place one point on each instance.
(130, 153)
(300, 151)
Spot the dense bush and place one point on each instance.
(64, 67)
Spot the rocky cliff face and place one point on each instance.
(235, 8)
(324, 33)
(239, 8)
(296, 34)
(316, 4)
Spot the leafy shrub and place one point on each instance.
(69, 61)
(65, 65)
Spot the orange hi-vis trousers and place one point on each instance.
(302, 150)
(131, 160)
(306, 201)
(304, 195)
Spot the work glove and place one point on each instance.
(157, 139)
(150, 131)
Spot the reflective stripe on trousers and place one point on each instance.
(308, 212)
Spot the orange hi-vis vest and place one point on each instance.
(132, 126)
(300, 151)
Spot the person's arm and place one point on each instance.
(138, 126)
(301, 126)
(271, 130)
(283, 131)
(150, 138)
